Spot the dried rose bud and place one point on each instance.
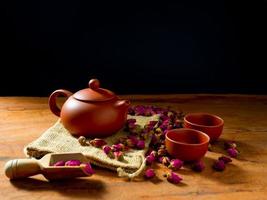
(59, 163)
(150, 159)
(152, 123)
(117, 147)
(118, 155)
(178, 123)
(139, 110)
(164, 133)
(82, 141)
(225, 159)
(156, 110)
(131, 141)
(232, 152)
(158, 130)
(160, 159)
(162, 146)
(98, 142)
(164, 117)
(111, 154)
(144, 136)
(131, 125)
(148, 128)
(219, 165)
(148, 112)
(126, 148)
(170, 114)
(169, 127)
(131, 111)
(88, 168)
(165, 124)
(229, 144)
(131, 121)
(155, 139)
(121, 140)
(161, 135)
(136, 130)
(164, 160)
(148, 152)
(140, 144)
(162, 152)
(198, 166)
(154, 153)
(73, 163)
(174, 178)
(149, 173)
(176, 164)
(106, 149)
(121, 146)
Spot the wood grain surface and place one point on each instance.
(23, 119)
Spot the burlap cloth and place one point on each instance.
(58, 140)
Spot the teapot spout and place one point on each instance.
(122, 104)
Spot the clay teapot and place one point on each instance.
(91, 112)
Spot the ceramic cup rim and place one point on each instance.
(187, 129)
(204, 126)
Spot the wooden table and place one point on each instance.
(23, 119)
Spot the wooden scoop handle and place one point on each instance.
(22, 168)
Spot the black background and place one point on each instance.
(181, 47)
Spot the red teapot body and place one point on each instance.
(91, 112)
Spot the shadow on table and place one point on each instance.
(233, 173)
(79, 188)
(247, 151)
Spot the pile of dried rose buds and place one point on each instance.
(230, 147)
(71, 163)
(155, 132)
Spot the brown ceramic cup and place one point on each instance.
(210, 124)
(186, 144)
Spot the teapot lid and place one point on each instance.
(94, 93)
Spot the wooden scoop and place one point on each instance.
(22, 168)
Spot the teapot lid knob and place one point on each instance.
(94, 84)
(94, 93)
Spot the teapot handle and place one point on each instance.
(52, 100)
